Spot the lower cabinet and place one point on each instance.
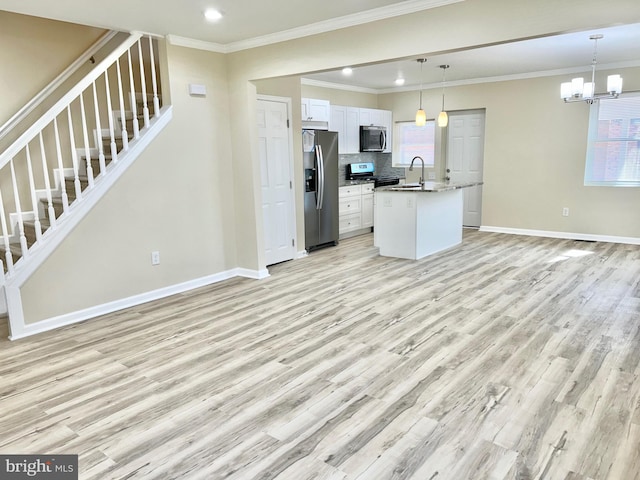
(355, 209)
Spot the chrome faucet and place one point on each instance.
(411, 169)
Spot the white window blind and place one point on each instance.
(613, 150)
(410, 141)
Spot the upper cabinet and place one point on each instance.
(347, 120)
(315, 110)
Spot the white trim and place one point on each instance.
(340, 86)
(565, 235)
(302, 254)
(179, 41)
(135, 300)
(359, 18)
(254, 274)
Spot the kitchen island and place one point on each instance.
(413, 221)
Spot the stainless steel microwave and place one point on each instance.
(373, 138)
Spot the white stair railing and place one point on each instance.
(29, 175)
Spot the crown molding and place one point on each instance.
(338, 86)
(196, 44)
(390, 11)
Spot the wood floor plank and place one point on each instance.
(507, 357)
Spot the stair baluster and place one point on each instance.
(123, 112)
(34, 198)
(112, 135)
(132, 95)
(47, 184)
(85, 135)
(16, 195)
(74, 157)
(96, 107)
(63, 185)
(143, 83)
(154, 81)
(5, 237)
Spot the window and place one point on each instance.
(410, 141)
(613, 149)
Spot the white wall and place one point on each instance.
(177, 198)
(457, 26)
(33, 52)
(535, 149)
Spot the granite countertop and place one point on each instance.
(429, 187)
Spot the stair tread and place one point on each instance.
(16, 250)
(44, 223)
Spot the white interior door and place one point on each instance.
(276, 167)
(465, 158)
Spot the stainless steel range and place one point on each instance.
(365, 171)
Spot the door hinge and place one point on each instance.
(288, 123)
(290, 185)
(293, 242)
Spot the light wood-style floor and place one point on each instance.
(508, 357)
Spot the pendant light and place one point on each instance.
(443, 118)
(421, 117)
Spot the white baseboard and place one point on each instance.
(302, 254)
(135, 300)
(255, 274)
(566, 235)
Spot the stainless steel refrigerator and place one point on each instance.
(320, 188)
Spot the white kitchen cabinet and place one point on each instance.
(355, 209)
(367, 205)
(315, 110)
(346, 121)
(371, 116)
(388, 123)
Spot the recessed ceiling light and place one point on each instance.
(347, 71)
(212, 15)
(399, 81)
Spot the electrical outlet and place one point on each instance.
(565, 212)
(155, 258)
(432, 175)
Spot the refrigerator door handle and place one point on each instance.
(321, 184)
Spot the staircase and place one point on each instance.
(57, 170)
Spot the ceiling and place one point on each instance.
(245, 23)
(556, 55)
(250, 23)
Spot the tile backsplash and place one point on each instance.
(382, 162)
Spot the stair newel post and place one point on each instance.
(112, 135)
(99, 140)
(47, 184)
(123, 112)
(63, 185)
(74, 156)
(85, 135)
(5, 235)
(16, 194)
(143, 84)
(132, 96)
(154, 81)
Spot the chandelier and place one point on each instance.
(577, 90)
